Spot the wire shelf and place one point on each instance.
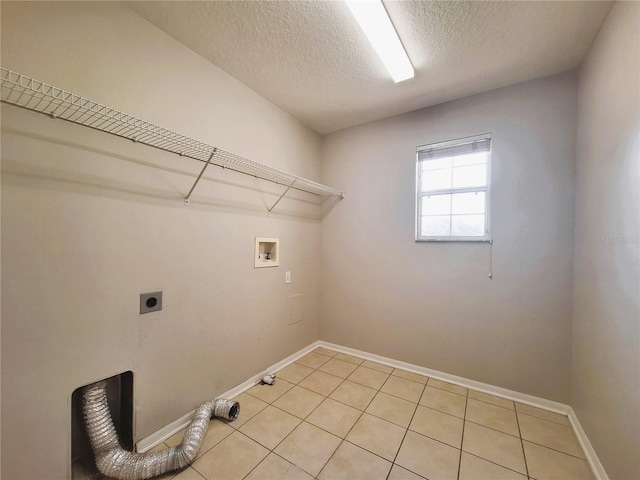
(41, 97)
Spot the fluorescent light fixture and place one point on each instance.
(376, 24)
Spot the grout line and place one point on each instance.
(464, 419)
(494, 429)
(255, 441)
(448, 391)
(472, 385)
(512, 396)
(500, 392)
(493, 404)
(440, 411)
(524, 455)
(379, 390)
(566, 417)
(342, 439)
(362, 412)
(494, 463)
(554, 449)
(464, 422)
(303, 420)
(196, 470)
(545, 420)
(406, 430)
(466, 389)
(317, 369)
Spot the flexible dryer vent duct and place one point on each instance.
(113, 461)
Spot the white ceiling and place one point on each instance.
(311, 59)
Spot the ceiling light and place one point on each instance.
(376, 24)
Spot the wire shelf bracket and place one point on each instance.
(204, 167)
(281, 197)
(26, 92)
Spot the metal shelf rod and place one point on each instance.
(280, 198)
(186, 199)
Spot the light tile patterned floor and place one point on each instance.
(333, 416)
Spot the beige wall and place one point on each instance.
(433, 304)
(606, 325)
(91, 221)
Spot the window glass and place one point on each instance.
(436, 179)
(436, 204)
(453, 190)
(436, 225)
(468, 203)
(469, 159)
(469, 176)
(467, 225)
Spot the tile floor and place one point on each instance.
(332, 416)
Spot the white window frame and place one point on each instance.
(463, 143)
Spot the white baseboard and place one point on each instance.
(158, 437)
(543, 403)
(534, 401)
(165, 432)
(589, 452)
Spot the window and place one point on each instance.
(453, 190)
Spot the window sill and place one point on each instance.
(454, 240)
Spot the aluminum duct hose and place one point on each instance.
(113, 461)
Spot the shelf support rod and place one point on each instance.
(186, 199)
(281, 197)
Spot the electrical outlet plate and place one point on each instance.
(150, 302)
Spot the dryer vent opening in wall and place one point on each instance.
(120, 398)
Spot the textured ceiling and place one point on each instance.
(311, 59)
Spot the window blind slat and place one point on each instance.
(433, 152)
